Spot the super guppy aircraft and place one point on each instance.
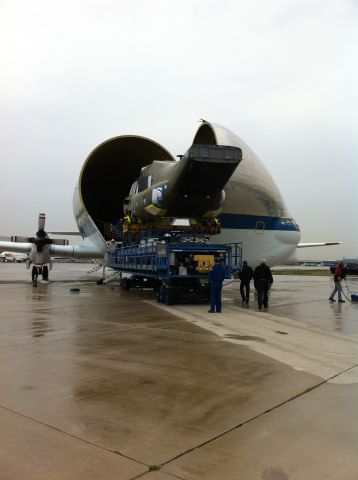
(134, 173)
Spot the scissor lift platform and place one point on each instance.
(177, 271)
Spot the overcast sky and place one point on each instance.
(282, 74)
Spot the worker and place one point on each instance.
(245, 276)
(216, 277)
(262, 281)
(338, 276)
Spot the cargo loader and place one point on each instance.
(177, 271)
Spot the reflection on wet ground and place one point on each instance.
(305, 298)
(106, 369)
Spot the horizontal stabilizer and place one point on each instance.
(320, 244)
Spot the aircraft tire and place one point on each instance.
(45, 272)
(34, 274)
(126, 284)
(161, 294)
(168, 297)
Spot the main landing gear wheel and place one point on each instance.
(125, 283)
(168, 297)
(34, 276)
(45, 273)
(160, 294)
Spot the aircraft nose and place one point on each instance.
(287, 231)
(288, 237)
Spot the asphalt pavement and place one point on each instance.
(96, 382)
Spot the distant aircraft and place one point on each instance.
(13, 257)
(134, 174)
(38, 249)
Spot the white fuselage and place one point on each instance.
(274, 246)
(254, 212)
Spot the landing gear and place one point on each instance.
(169, 296)
(165, 295)
(159, 293)
(36, 271)
(45, 272)
(126, 283)
(34, 275)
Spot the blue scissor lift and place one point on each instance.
(176, 270)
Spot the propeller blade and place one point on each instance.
(42, 220)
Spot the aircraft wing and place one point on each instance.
(68, 251)
(76, 251)
(21, 247)
(320, 244)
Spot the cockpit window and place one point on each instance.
(285, 223)
(288, 221)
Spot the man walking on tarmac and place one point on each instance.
(245, 276)
(263, 281)
(338, 276)
(216, 277)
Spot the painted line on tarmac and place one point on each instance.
(303, 347)
(275, 407)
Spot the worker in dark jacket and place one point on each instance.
(245, 276)
(339, 275)
(262, 281)
(216, 277)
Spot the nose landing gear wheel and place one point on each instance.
(45, 272)
(34, 275)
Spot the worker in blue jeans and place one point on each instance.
(216, 277)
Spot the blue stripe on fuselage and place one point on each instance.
(250, 222)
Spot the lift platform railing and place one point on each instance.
(159, 258)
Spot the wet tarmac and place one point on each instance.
(103, 383)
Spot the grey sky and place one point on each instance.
(282, 74)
